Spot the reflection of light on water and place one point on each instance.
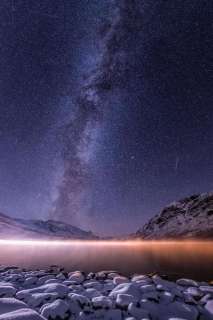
(187, 258)
(144, 243)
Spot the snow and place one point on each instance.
(58, 308)
(22, 314)
(60, 289)
(36, 229)
(123, 300)
(10, 304)
(188, 218)
(96, 297)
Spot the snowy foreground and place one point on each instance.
(54, 294)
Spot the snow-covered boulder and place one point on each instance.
(82, 300)
(147, 288)
(126, 288)
(137, 312)
(123, 300)
(77, 277)
(113, 314)
(60, 289)
(209, 306)
(93, 284)
(187, 283)
(102, 302)
(39, 299)
(22, 314)
(173, 310)
(10, 304)
(30, 281)
(43, 279)
(7, 291)
(119, 280)
(92, 293)
(57, 309)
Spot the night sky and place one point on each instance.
(106, 108)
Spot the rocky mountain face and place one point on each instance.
(11, 228)
(191, 217)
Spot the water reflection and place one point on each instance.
(188, 258)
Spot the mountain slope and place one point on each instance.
(191, 217)
(11, 228)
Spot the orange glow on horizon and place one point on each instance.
(99, 242)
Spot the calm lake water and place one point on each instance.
(189, 259)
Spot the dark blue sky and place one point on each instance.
(106, 108)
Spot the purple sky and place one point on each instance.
(106, 109)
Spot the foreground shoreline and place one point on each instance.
(56, 294)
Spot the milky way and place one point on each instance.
(106, 109)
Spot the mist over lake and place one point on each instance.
(177, 259)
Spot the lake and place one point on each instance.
(192, 259)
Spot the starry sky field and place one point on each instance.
(106, 109)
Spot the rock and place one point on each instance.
(56, 309)
(92, 293)
(114, 314)
(102, 275)
(108, 286)
(190, 217)
(60, 276)
(137, 312)
(82, 300)
(68, 283)
(205, 298)
(187, 283)
(30, 281)
(176, 319)
(77, 277)
(99, 313)
(209, 306)
(60, 289)
(10, 304)
(165, 284)
(5, 283)
(144, 282)
(15, 277)
(166, 297)
(177, 291)
(93, 284)
(141, 277)
(123, 300)
(141, 298)
(74, 307)
(43, 279)
(102, 302)
(206, 289)
(52, 281)
(22, 314)
(76, 289)
(152, 295)
(119, 280)
(112, 275)
(7, 291)
(189, 299)
(147, 288)
(126, 288)
(39, 299)
(172, 310)
(194, 292)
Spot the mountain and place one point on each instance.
(191, 217)
(12, 228)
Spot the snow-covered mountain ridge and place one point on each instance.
(12, 228)
(191, 217)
